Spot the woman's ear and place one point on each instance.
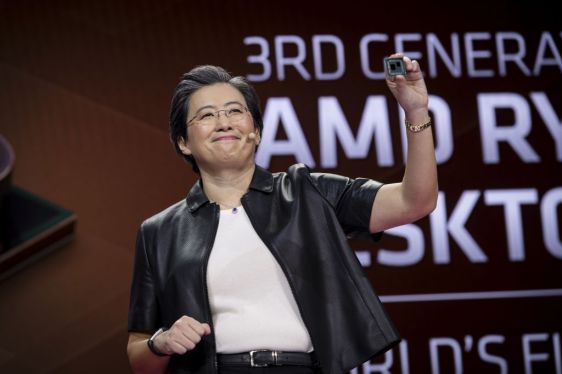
(183, 146)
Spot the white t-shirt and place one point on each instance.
(251, 301)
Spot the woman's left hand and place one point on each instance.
(409, 90)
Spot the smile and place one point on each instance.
(226, 138)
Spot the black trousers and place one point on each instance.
(268, 370)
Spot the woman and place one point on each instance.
(253, 269)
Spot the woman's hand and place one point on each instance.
(409, 90)
(183, 336)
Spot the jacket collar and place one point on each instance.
(262, 180)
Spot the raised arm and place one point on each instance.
(416, 195)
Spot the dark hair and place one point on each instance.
(195, 79)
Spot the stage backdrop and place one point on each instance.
(475, 287)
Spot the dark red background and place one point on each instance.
(85, 89)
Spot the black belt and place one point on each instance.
(263, 358)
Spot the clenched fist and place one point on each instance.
(183, 336)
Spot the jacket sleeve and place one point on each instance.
(352, 200)
(143, 307)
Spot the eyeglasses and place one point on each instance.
(235, 113)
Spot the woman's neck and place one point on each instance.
(226, 187)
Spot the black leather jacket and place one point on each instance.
(303, 218)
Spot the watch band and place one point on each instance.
(150, 343)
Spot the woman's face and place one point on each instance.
(219, 143)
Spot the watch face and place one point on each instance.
(158, 332)
(150, 342)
